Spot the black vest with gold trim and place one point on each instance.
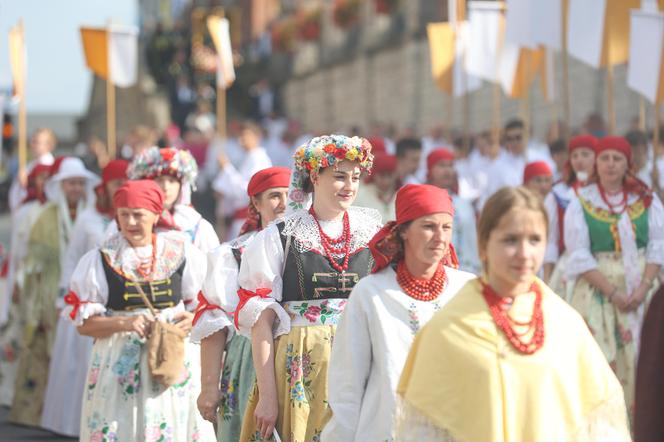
(124, 296)
(310, 275)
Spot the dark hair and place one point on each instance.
(636, 138)
(557, 146)
(406, 144)
(500, 203)
(515, 123)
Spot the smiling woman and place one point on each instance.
(475, 370)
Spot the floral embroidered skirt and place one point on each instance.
(301, 360)
(10, 338)
(237, 381)
(121, 401)
(558, 282)
(613, 330)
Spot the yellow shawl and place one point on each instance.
(467, 381)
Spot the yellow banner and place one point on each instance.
(442, 52)
(95, 47)
(17, 58)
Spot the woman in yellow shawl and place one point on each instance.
(507, 359)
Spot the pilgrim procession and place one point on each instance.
(332, 220)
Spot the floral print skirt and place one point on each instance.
(613, 329)
(121, 401)
(301, 360)
(237, 381)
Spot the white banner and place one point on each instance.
(645, 53)
(586, 29)
(123, 55)
(484, 42)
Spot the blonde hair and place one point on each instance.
(501, 203)
(48, 132)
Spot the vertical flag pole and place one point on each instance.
(22, 112)
(221, 100)
(110, 100)
(609, 98)
(642, 114)
(565, 62)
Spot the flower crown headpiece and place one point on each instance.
(154, 162)
(321, 152)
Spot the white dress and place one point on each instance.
(370, 348)
(71, 351)
(560, 196)
(464, 235)
(121, 401)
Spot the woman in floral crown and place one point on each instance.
(414, 276)
(506, 359)
(614, 235)
(295, 278)
(122, 400)
(213, 327)
(175, 170)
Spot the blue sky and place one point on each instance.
(58, 81)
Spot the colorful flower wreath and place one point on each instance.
(154, 162)
(321, 152)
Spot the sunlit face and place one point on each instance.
(384, 181)
(40, 180)
(540, 185)
(336, 187)
(73, 190)
(136, 225)
(514, 141)
(249, 139)
(113, 185)
(41, 143)
(171, 187)
(582, 161)
(427, 239)
(271, 204)
(443, 175)
(611, 166)
(514, 251)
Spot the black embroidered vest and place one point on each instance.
(309, 275)
(123, 294)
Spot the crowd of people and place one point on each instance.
(341, 288)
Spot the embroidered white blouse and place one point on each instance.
(370, 348)
(263, 259)
(89, 282)
(577, 236)
(220, 289)
(566, 194)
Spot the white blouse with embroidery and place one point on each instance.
(577, 236)
(370, 348)
(220, 289)
(263, 260)
(89, 282)
(565, 193)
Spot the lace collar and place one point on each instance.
(364, 223)
(241, 241)
(125, 259)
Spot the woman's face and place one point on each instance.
(540, 185)
(171, 188)
(427, 239)
(336, 187)
(73, 190)
(271, 204)
(582, 161)
(514, 251)
(136, 225)
(443, 174)
(112, 186)
(611, 166)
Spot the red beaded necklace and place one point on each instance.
(147, 275)
(338, 246)
(421, 289)
(497, 307)
(622, 204)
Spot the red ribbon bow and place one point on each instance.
(72, 299)
(245, 296)
(203, 305)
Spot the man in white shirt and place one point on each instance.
(409, 153)
(42, 145)
(231, 182)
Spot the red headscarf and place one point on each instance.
(114, 170)
(140, 194)
(631, 184)
(260, 182)
(33, 192)
(580, 141)
(536, 168)
(440, 154)
(377, 145)
(413, 201)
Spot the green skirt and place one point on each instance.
(237, 381)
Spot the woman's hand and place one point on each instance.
(140, 324)
(208, 403)
(620, 300)
(266, 414)
(184, 321)
(638, 296)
